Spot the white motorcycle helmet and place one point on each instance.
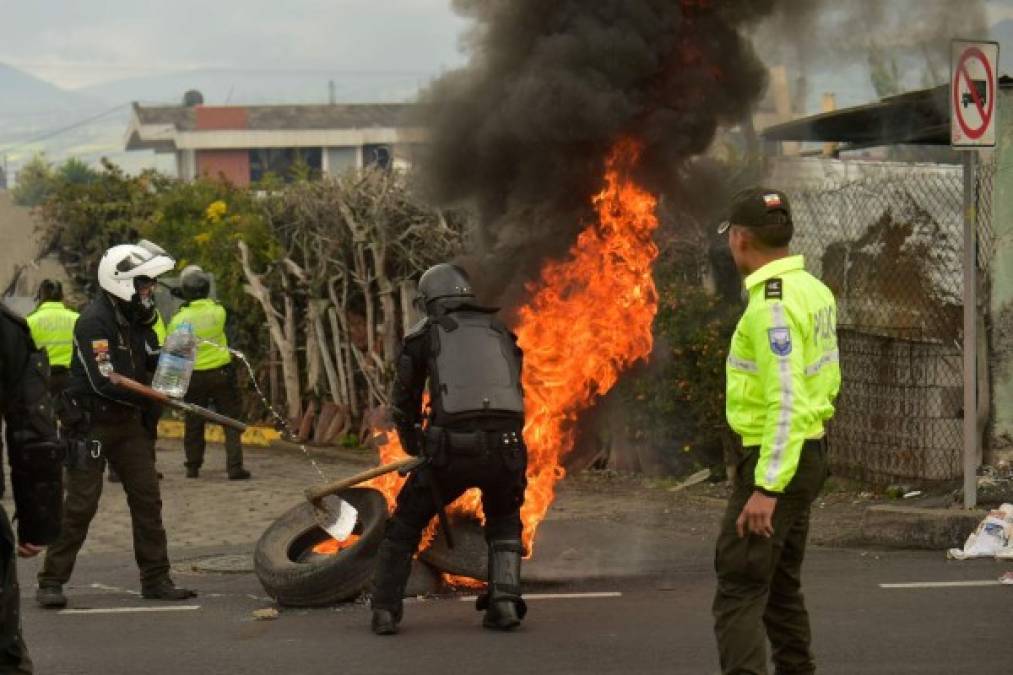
(121, 265)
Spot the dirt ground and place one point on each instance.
(836, 515)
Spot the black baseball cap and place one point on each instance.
(756, 207)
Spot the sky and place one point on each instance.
(76, 43)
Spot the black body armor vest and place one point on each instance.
(474, 370)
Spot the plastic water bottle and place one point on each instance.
(175, 365)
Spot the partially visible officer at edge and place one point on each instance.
(35, 457)
(52, 326)
(471, 365)
(214, 377)
(106, 423)
(783, 376)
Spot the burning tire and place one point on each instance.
(294, 575)
(468, 558)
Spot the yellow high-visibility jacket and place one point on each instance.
(52, 327)
(208, 320)
(783, 370)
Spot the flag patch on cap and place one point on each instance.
(772, 201)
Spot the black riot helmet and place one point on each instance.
(194, 283)
(444, 282)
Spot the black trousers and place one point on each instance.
(215, 387)
(129, 449)
(499, 474)
(759, 594)
(13, 652)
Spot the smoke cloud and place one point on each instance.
(825, 33)
(522, 131)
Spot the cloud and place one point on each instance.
(76, 42)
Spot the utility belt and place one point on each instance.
(78, 417)
(441, 443)
(59, 370)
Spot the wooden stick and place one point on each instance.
(314, 494)
(161, 397)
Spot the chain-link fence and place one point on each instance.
(887, 238)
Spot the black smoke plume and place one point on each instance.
(523, 130)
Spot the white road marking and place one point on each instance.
(116, 589)
(557, 596)
(130, 610)
(943, 584)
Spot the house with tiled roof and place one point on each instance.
(244, 143)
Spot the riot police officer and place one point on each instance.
(108, 424)
(214, 379)
(472, 438)
(52, 326)
(34, 454)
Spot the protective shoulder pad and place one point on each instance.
(418, 330)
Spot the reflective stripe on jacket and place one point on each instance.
(159, 328)
(208, 320)
(783, 370)
(52, 327)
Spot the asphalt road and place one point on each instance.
(657, 625)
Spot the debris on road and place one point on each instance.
(990, 539)
(266, 614)
(695, 479)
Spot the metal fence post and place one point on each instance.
(970, 330)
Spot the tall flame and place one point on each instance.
(588, 319)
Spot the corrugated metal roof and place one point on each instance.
(918, 117)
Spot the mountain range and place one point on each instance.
(31, 108)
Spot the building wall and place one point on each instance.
(232, 165)
(339, 160)
(1001, 301)
(210, 118)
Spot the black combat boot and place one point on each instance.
(239, 474)
(393, 566)
(385, 622)
(51, 597)
(166, 590)
(502, 602)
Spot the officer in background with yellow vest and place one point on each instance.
(52, 327)
(214, 379)
(783, 376)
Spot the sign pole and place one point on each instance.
(970, 331)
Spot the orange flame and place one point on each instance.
(455, 581)
(333, 546)
(588, 319)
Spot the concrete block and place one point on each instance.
(914, 527)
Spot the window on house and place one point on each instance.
(377, 155)
(286, 164)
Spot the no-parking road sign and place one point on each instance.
(973, 89)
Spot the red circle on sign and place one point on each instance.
(986, 111)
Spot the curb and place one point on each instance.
(918, 528)
(254, 435)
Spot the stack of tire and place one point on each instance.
(295, 576)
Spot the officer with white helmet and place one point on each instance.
(107, 424)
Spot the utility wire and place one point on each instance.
(62, 130)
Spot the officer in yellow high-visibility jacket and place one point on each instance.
(783, 376)
(52, 326)
(214, 380)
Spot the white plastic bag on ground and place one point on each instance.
(990, 538)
